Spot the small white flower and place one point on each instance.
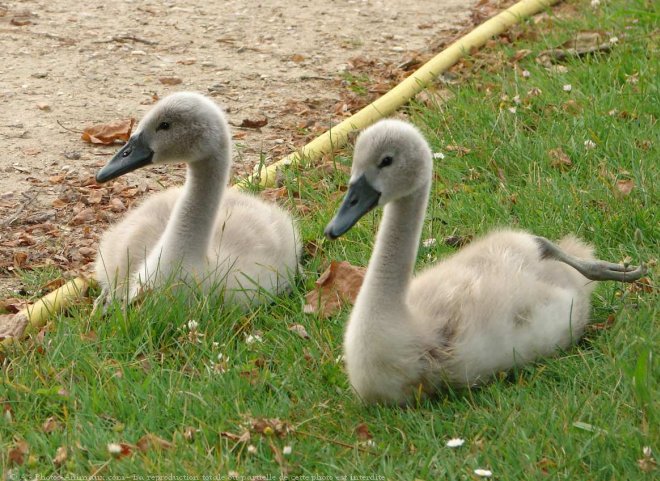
(589, 144)
(526, 74)
(513, 110)
(370, 443)
(484, 473)
(215, 344)
(192, 325)
(647, 451)
(595, 3)
(567, 88)
(614, 40)
(455, 443)
(286, 450)
(429, 242)
(220, 356)
(252, 449)
(516, 99)
(438, 155)
(114, 448)
(252, 338)
(340, 359)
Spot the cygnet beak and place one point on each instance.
(135, 154)
(360, 199)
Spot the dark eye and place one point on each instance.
(385, 161)
(163, 126)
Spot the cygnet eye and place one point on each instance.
(163, 126)
(385, 161)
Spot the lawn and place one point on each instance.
(242, 394)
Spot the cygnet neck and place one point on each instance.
(192, 222)
(393, 260)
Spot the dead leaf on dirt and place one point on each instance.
(43, 106)
(296, 57)
(116, 205)
(559, 158)
(625, 186)
(339, 284)
(20, 21)
(61, 456)
(239, 135)
(521, 54)
(107, 134)
(254, 123)
(300, 330)
(12, 325)
(187, 61)
(83, 217)
(362, 432)
(18, 452)
(20, 259)
(51, 424)
(268, 427)
(239, 438)
(13, 304)
(150, 441)
(170, 80)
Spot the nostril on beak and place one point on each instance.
(126, 152)
(354, 201)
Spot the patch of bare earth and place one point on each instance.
(288, 65)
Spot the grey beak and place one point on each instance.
(135, 154)
(360, 199)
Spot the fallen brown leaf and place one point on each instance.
(17, 453)
(108, 134)
(83, 217)
(170, 80)
(296, 57)
(459, 149)
(300, 330)
(51, 424)
(362, 432)
(61, 456)
(239, 438)
(559, 158)
(149, 441)
(271, 426)
(339, 284)
(254, 123)
(625, 186)
(12, 325)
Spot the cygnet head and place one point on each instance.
(182, 127)
(391, 160)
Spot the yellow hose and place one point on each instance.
(387, 104)
(39, 313)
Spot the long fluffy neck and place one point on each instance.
(190, 229)
(391, 266)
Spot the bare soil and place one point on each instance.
(299, 65)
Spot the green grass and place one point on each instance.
(586, 414)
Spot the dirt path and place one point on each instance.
(68, 65)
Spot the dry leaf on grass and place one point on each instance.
(300, 330)
(61, 456)
(584, 43)
(18, 452)
(51, 424)
(339, 284)
(107, 134)
(559, 158)
(362, 432)
(12, 325)
(149, 441)
(268, 427)
(120, 450)
(239, 438)
(625, 186)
